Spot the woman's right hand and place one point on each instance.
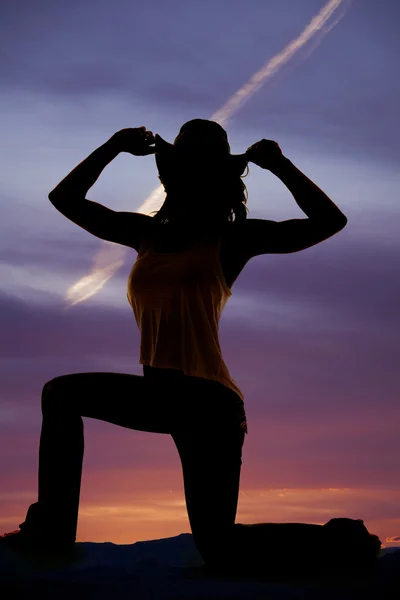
(136, 141)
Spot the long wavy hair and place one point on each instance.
(199, 168)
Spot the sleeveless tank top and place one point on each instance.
(177, 299)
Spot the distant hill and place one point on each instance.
(173, 568)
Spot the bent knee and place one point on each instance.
(53, 393)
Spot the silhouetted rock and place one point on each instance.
(173, 568)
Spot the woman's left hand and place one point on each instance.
(265, 153)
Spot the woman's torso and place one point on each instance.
(165, 239)
(168, 240)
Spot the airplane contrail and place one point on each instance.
(110, 257)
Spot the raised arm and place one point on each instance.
(324, 220)
(310, 198)
(69, 196)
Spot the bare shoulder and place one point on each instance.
(252, 237)
(132, 228)
(238, 238)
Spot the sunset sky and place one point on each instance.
(311, 338)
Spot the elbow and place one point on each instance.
(340, 222)
(55, 198)
(52, 196)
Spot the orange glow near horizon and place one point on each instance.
(164, 514)
(124, 517)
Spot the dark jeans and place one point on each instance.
(206, 420)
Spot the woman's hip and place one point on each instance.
(199, 403)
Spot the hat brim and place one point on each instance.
(165, 152)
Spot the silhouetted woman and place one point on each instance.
(189, 255)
